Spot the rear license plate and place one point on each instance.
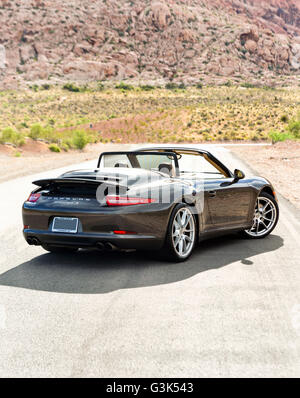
(65, 224)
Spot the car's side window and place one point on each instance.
(197, 166)
(115, 161)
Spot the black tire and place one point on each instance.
(275, 221)
(169, 252)
(59, 249)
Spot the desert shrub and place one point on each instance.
(34, 87)
(71, 87)
(124, 86)
(278, 136)
(147, 87)
(100, 86)
(79, 139)
(255, 137)
(84, 88)
(49, 134)
(51, 122)
(11, 136)
(248, 85)
(6, 135)
(46, 86)
(36, 131)
(199, 85)
(54, 148)
(171, 86)
(19, 139)
(65, 147)
(294, 128)
(17, 154)
(284, 118)
(67, 143)
(269, 88)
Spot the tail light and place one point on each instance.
(33, 197)
(120, 232)
(126, 201)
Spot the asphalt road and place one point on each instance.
(232, 310)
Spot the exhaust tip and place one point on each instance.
(109, 246)
(29, 241)
(35, 241)
(100, 246)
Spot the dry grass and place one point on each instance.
(160, 115)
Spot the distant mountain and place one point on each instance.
(213, 41)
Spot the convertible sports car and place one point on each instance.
(165, 198)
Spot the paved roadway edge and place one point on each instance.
(290, 206)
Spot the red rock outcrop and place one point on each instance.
(144, 40)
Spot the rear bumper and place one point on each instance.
(85, 240)
(149, 224)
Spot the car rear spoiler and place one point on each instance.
(56, 181)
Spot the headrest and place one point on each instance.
(121, 165)
(166, 168)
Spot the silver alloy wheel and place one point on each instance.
(265, 214)
(183, 232)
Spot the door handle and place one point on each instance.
(212, 194)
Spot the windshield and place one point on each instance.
(166, 163)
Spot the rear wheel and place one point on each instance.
(181, 234)
(265, 218)
(59, 249)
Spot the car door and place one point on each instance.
(228, 203)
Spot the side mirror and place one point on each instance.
(238, 175)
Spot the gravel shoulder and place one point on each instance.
(280, 163)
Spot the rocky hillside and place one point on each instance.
(214, 41)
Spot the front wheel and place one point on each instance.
(181, 234)
(265, 218)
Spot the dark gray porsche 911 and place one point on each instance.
(164, 198)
